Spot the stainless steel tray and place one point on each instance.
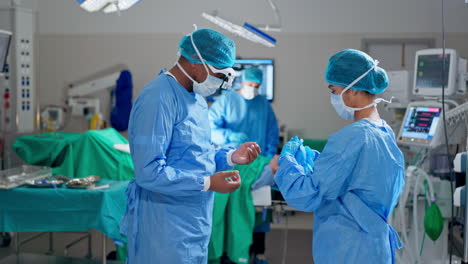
(12, 178)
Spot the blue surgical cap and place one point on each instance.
(216, 49)
(346, 66)
(253, 74)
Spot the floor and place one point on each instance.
(299, 245)
(299, 240)
(41, 259)
(40, 246)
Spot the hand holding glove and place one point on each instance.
(291, 147)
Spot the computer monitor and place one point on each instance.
(5, 40)
(267, 86)
(430, 75)
(420, 125)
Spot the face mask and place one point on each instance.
(340, 108)
(345, 111)
(208, 87)
(249, 92)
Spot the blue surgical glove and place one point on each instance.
(237, 137)
(301, 156)
(311, 156)
(305, 156)
(291, 147)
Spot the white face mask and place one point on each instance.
(249, 92)
(206, 88)
(345, 111)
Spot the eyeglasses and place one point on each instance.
(228, 76)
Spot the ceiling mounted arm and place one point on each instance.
(275, 27)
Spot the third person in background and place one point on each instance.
(241, 116)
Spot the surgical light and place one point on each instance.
(254, 33)
(107, 6)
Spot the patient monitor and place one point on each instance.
(422, 125)
(428, 78)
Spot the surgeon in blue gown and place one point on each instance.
(244, 115)
(177, 168)
(354, 184)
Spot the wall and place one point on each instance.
(301, 99)
(299, 16)
(73, 45)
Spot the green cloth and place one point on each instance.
(316, 144)
(234, 217)
(78, 155)
(121, 252)
(26, 209)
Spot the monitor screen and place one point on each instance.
(267, 86)
(5, 39)
(429, 71)
(420, 124)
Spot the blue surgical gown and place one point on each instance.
(352, 189)
(233, 113)
(168, 218)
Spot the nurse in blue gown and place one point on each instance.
(354, 184)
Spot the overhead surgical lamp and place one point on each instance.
(254, 33)
(107, 6)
